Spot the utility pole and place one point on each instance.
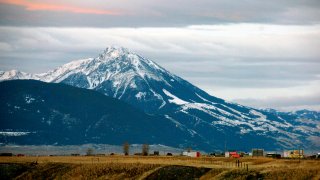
(299, 153)
(225, 145)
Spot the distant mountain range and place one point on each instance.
(216, 123)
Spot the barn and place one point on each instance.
(233, 154)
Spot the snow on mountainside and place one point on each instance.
(125, 75)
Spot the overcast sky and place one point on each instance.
(264, 54)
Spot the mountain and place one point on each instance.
(140, 82)
(122, 74)
(35, 112)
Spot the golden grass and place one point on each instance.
(135, 167)
(213, 173)
(109, 171)
(292, 173)
(209, 162)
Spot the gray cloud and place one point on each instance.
(259, 53)
(165, 13)
(311, 101)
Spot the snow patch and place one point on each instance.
(141, 95)
(6, 133)
(181, 126)
(160, 98)
(202, 98)
(174, 99)
(244, 131)
(173, 120)
(29, 99)
(261, 116)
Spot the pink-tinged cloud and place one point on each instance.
(38, 6)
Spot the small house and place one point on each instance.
(192, 154)
(257, 152)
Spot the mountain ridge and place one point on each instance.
(36, 112)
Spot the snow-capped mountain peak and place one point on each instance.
(124, 57)
(114, 51)
(116, 72)
(117, 68)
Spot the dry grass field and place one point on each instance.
(155, 167)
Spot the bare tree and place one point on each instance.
(145, 150)
(126, 148)
(89, 152)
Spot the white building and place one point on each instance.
(191, 154)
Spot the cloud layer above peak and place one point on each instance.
(164, 13)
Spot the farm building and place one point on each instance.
(257, 152)
(191, 154)
(233, 154)
(293, 154)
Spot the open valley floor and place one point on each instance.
(156, 167)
